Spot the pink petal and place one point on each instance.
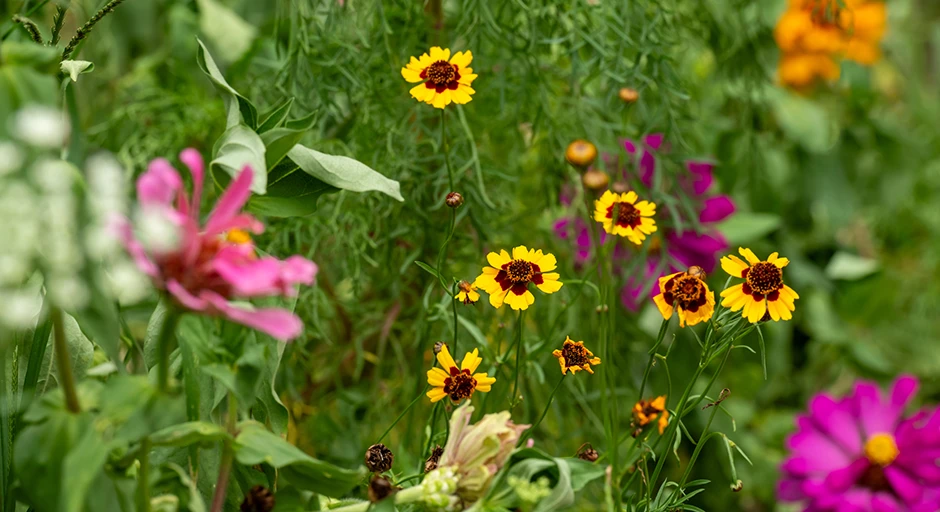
(835, 419)
(159, 184)
(280, 324)
(194, 161)
(654, 140)
(843, 479)
(231, 203)
(186, 299)
(790, 490)
(716, 208)
(874, 415)
(629, 146)
(817, 448)
(884, 502)
(298, 270)
(647, 168)
(904, 388)
(125, 233)
(902, 483)
(701, 175)
(251, 278)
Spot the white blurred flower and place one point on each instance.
(67, 292)
(40, 126)
(156, 230)
(19, 308)
(11, 157)
(128, 284)
(107, 185)
(54, 176)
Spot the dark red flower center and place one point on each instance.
(685, 291)
(197, 274)
(874, 478)
(517, 274)
(460, 384)
(575, 355)
(763, 279)
(626, 214)
(441, 75)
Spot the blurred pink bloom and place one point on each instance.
(211, 264)
(862, 454)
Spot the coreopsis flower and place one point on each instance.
(622, 215)
(468, 293)
(507, 278)
(204, 266)
(477, 452)
(574, 357)
(688, 294)
(457, 382)
(762, 291)
(646, 412)
(444, 78)
(863, 453)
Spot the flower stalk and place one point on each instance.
(164, 342)
(64, 362)
(225, 467)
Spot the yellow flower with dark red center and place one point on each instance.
(688, 294)
(444, 78)
(622, 215)
(762, 291)
(468, 293)
(574, 357)
(457, 382)
(646, 412)
(581, 153)
(507, 278)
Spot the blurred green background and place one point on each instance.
(844, 180)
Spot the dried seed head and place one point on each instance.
(619, 187)
(697, 271)
(380, 488)
(628, 95)
(379, 458)
(595, 180)
(258, 499)
(581, 153)
(431, 463)
(454, 199)
(438, 346)
(587, 452)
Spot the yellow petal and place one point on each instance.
(758, 308)
(486, 282)
(483, 379)
(439, 54)
(442, 99)
(497, 299)
(461, 97)
(664, 309)
(462, 59)
(520, 302)
(435, 394)
(411, 75)
(781, 262)
(474, 296)
(748, 255)
(628, 197)
(471, 361)
(443, 357)
(520, 253)
(436, 377)
(733, 265)
(420, 92)
(498, 260)
(467, 80)
(550, 285)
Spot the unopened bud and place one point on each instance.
(619, 187)
(438, 346)
(628, 95)
(581, 153)
(380, 488)
(379, 458)
(595, 180)
(737, 486)
(454, 199)
(696, 271)
(587, 452)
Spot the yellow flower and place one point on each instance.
(468, 293)
(687, 293)
(575, 356)
(457, 383)
(646, 412)
(621, 215)
(762, 293)
(801, 70)
(444, 78)
(507, 278)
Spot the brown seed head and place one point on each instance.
(581, 153)
(595, 180)
(620, 187)
(380, 488)
(587, 452)
(379, 458)
(258, 499)
(438, 346)
(454, 199)
(628, 95)
(431, 463)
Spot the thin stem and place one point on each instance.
(528, 433)
(402, 415)
(64, 362)
(450, 171)
(164, 340)
(453, 305)
(143, 476)
(515, 384)
(652, 352)
(427, 444)
(225, 468)
(85, 29)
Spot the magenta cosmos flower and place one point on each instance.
(203, 267)
(861, 453)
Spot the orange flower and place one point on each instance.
(646, 412)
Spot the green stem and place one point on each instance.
(64, 362)
(515, 384)
(528, 433)
(143, 476)
(402, 415)
(427, 444)
(652, 353)
(164, 340)
(225, 467)
(402, 497)
(450, 171)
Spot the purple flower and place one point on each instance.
(862, 454)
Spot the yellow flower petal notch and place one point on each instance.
(622, 215)
(507, 277)
(457, 382)
(688, 294)
(443, 78)
(648, 411)
(468, 293)
(763, 294)
(574, 357)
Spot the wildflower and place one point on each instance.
(628, 95)
(621, 215)
(379, 458)
(457, 383)
(205, 268)
(687, 293)
(477, 452)
(646, 412)
(444, 78)
(439, 487)
(507, 278)
(258, 499)
(581, 153)
(468, 293)
(762, 291)
(380, 488)
(574, 356)
(595, 180)
(454, 200)
(863, 453)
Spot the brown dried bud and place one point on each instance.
(258, 499)
(380, 488)
(431, 463)
(737, 486)
(587, 452)
(595, 180)
(628, 95)
(619, 187)
(454, 199)
(438, 346)
(696, 271)
(581, 153)
(379, 458)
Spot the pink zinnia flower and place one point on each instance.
(861, 453)
(204, 266)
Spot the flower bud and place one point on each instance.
(438, 346)
(431, 463)
(380, 488)
(581, 153)
(595, 180)
(379, 458)
(258, 499)
(628, 95)
(620, 187)
(737, 486)
(454, 200)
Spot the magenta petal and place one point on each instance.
(902, 483)
(194, 161)
(280, 324)
(716, 208)
(298, 270)
(905, 387)
(843, 479)
(251, 278)
(654, 140)
(834, 419)
(159, 185)
(884, 502)
(125, 232)
(874, 415)
(701, 174)
(231, 202)
(790, 490)
(186, 299)
(630, 146)
(647, 168)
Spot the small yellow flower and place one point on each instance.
(444, 78)
(468, 293)
(507, 278)
(646, 412)
(621, 215)
(457, 383)
(574, 356)
(687, 293)
(763, 291)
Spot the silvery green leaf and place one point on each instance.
(343, 172)
(238, 147)
(73, 68)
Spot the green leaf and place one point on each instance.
(239, 147)
(237, 107)
(291, 192)
(343, 172)
(256, 445)
(803, 120)
(278, 141)
(584, 472)
(742, 228)
(428, 268)
(73, 68)
(229, 33)
(275, 117)
(850, 267)
(29, 53)
(189, 433)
